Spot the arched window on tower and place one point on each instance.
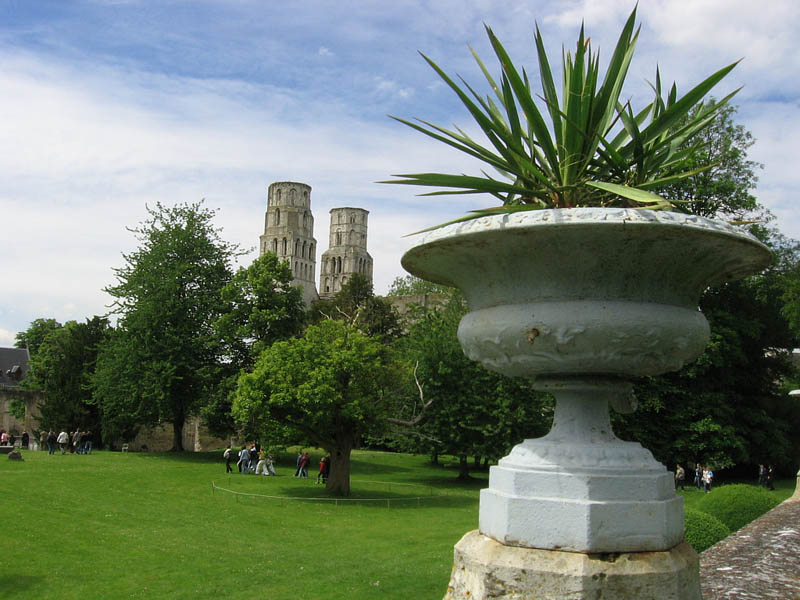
(352, 218)
(275, 245)
(285, 247)
(338, 238)
(297, 247)
(277, 216)
(338, 264)
(305, 198)
(303, 252)
(292, 194)
(278, 196)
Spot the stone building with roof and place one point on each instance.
(13, 368)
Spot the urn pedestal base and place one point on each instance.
(484, 568)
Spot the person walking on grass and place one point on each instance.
(708, 478)
(305, 460)
(227, 455)
(770, 478)
(680, 477)
(244, 460)
(698, 476)
(76, 441)
(297, 465)
(321, 476)
(253, 458)
(762, 476)
(63, 440)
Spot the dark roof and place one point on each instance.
(13, 365)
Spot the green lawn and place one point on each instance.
(113, 525)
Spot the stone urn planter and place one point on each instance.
(581, 301)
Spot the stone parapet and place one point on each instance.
(484, 568)
(758, 562)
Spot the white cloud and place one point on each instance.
(7, 338)
(89, 138)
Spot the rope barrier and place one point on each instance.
(388, 501)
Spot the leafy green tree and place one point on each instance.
(357, 303)
(35, 334)
(260, 307)
(62, 369)
(330, 386)
(168, 297)
(727, 188)
(473, 412)
(728, 407)
(414, 286)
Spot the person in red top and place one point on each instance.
(304, 462)
(323, 470)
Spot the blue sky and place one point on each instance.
(109, 105)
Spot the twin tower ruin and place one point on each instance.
(289, 233)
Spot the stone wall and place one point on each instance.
(8, 421)
(159, 439)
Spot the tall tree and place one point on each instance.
(35, 334)
(331, 386)
(357, 303)
(168, 299)
(728, 407)
(473, 412)
(260, 307)
(727, 188)
(414, 286)
(62, 369)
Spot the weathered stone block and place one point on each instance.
(483, 569)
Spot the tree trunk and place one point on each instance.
(177, 436)
(477, 462)
(463, 467)
(339, 478)
(434, 457)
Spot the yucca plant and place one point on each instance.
(595, 151)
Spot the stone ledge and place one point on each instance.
(483, 568)
(757, 562)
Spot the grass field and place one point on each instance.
(113, 525)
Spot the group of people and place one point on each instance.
(252, 459)
(766, 476)
(256, 460)
(303, 462)
(74, 442)
(9, 439)
(703, 477)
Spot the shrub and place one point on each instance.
(703, 530)
(737, 505)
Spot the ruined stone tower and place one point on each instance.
(289, 233)
(347, 250)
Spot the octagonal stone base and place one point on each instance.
(483, 568)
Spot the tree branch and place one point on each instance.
(416, 420)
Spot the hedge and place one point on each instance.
(703, 530)
(736, 505)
